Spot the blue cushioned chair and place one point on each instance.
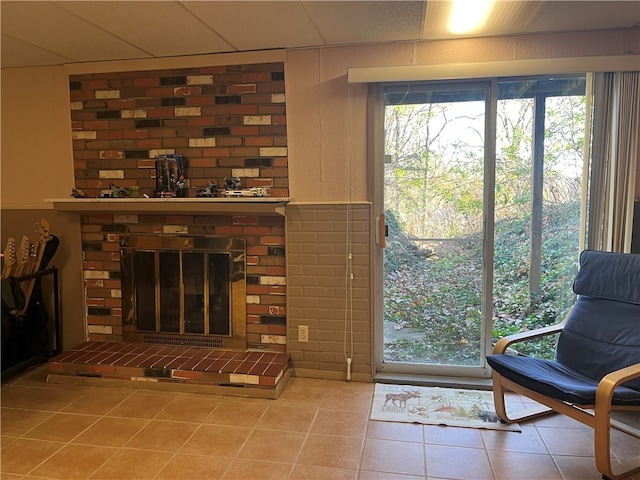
(597, 364)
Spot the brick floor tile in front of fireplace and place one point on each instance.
(316, 429)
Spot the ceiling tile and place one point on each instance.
(48, 26)
(159, 28)
(251, 25)
(586, 15)
(16, 53)
(367, 21)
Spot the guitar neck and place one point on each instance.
(29, 284)
(45, 237)
(22, 266)
(9, 257)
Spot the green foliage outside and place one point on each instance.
(434, 292)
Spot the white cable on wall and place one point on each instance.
(348, 298)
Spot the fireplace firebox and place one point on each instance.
(184, 290)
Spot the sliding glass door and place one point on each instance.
(478, 190)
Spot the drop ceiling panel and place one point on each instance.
(46, 25)
(16, 53)
(54, 32)
(367, 21)
(258, 25)
(586, 15)
(158, 28)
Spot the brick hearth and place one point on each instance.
(250, 373)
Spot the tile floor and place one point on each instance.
(317, 429)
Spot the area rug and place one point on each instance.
(437, 406)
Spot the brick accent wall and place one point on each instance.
(316, 266)
(225, 121)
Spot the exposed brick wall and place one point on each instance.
(225, 121)
(316, 266)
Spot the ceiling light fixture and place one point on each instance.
(468, 15)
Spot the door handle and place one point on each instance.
(382, 231)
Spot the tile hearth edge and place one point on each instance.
(189, 369)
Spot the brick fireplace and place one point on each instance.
(225, 121)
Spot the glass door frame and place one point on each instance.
(383, 369)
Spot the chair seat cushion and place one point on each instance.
(555, 380)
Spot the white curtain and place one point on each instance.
(616, 127)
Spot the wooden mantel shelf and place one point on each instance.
(173, 206)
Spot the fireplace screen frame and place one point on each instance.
(178, 247)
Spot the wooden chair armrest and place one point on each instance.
(609, 382)
(505, 342)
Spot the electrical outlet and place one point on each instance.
(303, 333)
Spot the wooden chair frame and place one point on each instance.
(596, 416)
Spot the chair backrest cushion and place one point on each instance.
(602, 333)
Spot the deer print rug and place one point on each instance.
(437, 406)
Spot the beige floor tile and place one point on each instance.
(189, 408)
(217, 440)
(111, 431)
(313, 472)
(287, 418)
(52, 399)
(624, 445)
(458, 462)
(523, 466)
(571, 441)
(252, 470)
(555, 420)
(304, 392)
(194, 467)
(331, 451)
(5, 440)
(132, 464)
(578, 468)
(74, 462)
(367, 475)
(456, 437)
(353, 399)
(97, 401)
(162, 435)
(526, 441)
(391, 456)
(61, 427)
(16, 421)
(339, 422)
(405, 432)
(10, 476)
(272, 446)
(237, 413)
(317, 429)
(140, 406)
(15, 396)
(23, 455)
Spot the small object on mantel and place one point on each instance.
(113, 192)
(170, 176)
(247, 192)
(134, 191)
(77, 193)
(209, 190)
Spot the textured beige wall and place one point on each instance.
(326, 120)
